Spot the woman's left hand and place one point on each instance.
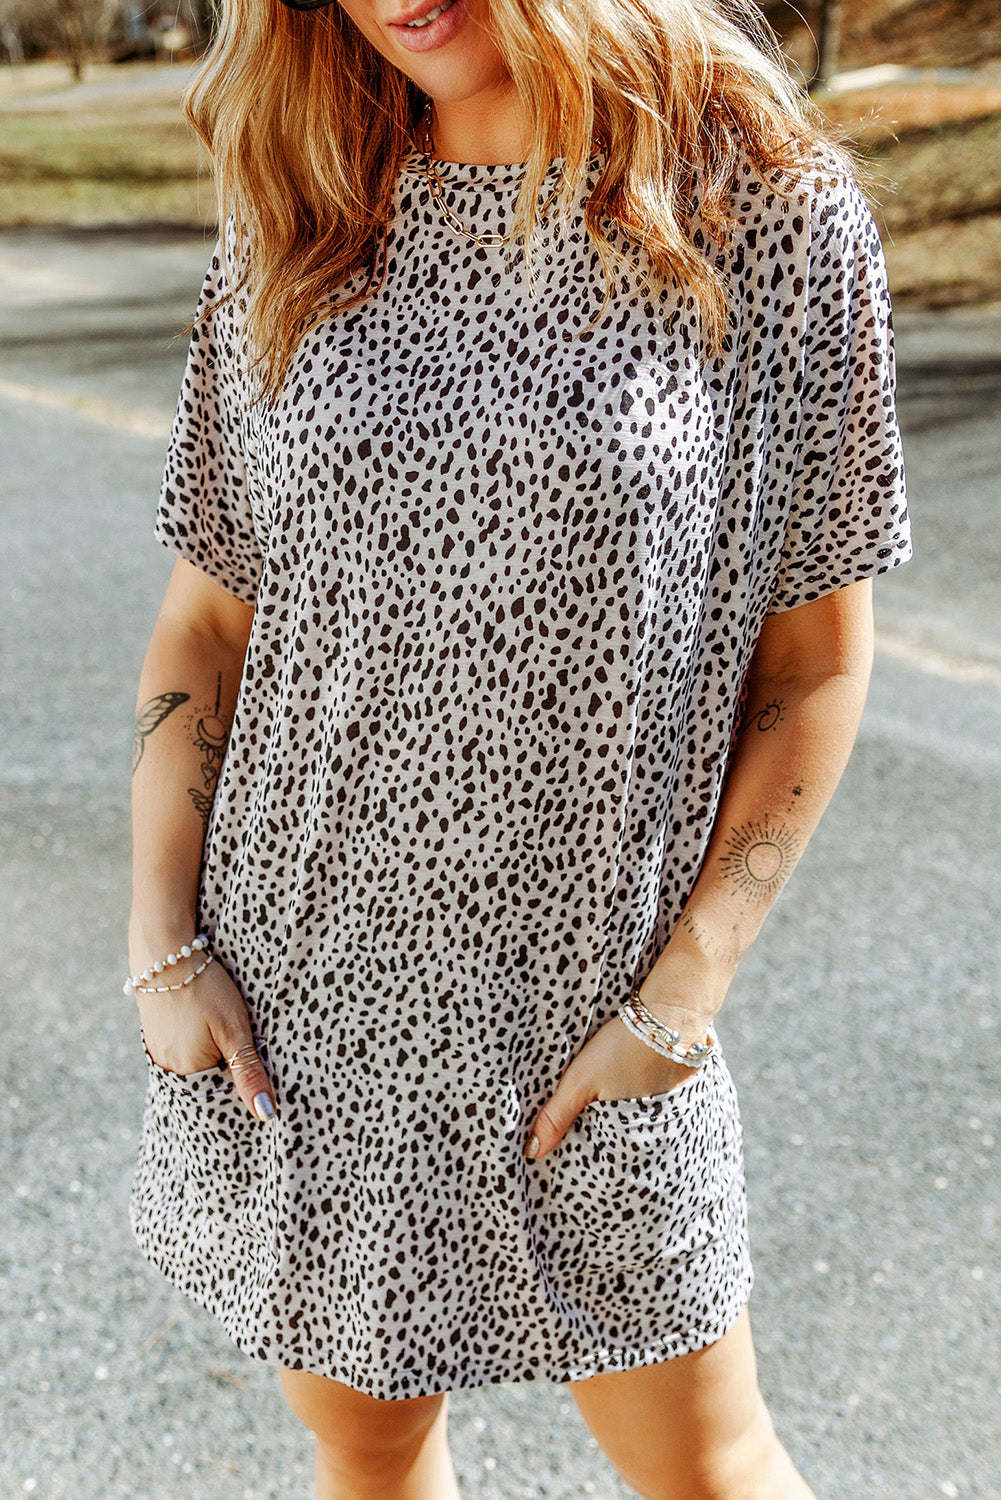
(614, 1064)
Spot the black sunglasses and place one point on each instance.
(307, 4)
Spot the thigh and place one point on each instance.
(353, 1422)
(671, 1427)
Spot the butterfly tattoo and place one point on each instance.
(150, 717)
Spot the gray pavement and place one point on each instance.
(144, 82)
(873, 1174)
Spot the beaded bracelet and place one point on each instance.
(663, 1038)
(133, 983)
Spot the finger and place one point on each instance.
(553, 1121)
(250, 1076)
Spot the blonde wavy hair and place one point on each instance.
(306, 124)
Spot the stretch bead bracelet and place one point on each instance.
(134, 983)
(663, 1038)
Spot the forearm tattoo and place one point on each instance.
(149, 717)
(210, 735)
(208, 732)
(710, 941)
(760, 856)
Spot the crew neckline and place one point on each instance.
(497, 173)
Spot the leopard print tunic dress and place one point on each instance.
(507, 589)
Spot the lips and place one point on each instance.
(429, 34)
(415, 13)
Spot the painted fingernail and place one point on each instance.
(263, 1106)
(533, 1147)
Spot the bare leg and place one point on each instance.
(693, 1428)
(368, 1449)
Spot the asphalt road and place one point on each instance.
(872, 1167)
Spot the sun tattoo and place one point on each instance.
(760, 856)
(770, 716)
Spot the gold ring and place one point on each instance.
(247, 1054)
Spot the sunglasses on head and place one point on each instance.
(307, 4)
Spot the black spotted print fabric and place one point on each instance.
(507, 587)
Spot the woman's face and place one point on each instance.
(450, 57)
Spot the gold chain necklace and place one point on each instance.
(436, 187)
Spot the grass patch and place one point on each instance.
(55, 170)
(949, 171)
(115, 149)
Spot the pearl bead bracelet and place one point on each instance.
(662, 1038)
(134, 983)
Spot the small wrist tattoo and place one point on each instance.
(770, 716)
(710, 941)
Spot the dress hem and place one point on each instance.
(611, 1361)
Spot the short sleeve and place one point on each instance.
(848, 516)
(204, 510)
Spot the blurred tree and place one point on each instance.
(16, 32)
(80, 30)
(828, 43)
(76, 29)
(821, 20)
(916, 33)
(203, 18)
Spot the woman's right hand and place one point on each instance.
(186, 1030)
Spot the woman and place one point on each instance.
(519, 636)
